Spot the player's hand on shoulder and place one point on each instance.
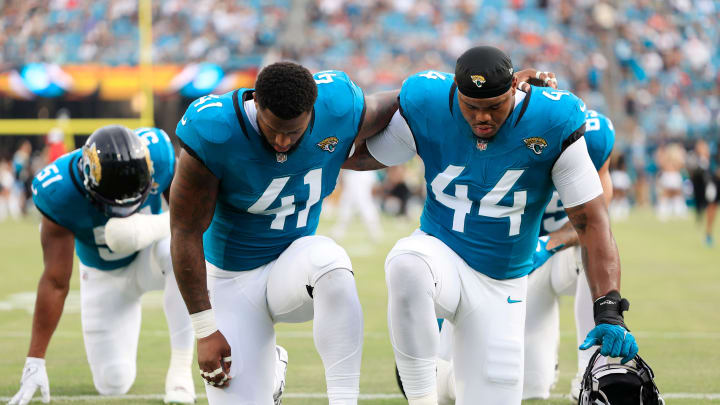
(214, 359)
(535, 77)
(542, 254)
(34, 376)
(610, 331)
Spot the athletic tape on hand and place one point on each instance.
(203, 323)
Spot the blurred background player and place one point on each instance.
(357, 197)
(255, 167)
(622, 187)
(469, 265)
(671, 197)
(705, 178)
(106, 201)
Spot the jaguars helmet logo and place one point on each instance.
(328, 144)
(91, 165)
(479, 80)
(535, 144)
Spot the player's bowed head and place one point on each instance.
(486, 89)
(487, 83)
(116, 169)
(285, 93)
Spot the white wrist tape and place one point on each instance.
(35, 361)
(204, 323)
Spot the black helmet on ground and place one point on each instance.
(619, 384)
(117, 170)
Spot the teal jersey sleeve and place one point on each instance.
(340, 97)
(599, 136)
(564, 113)
(421, 92)
(162, 154)
(204, 129)
(54, 193)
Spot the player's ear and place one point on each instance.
(513, 87)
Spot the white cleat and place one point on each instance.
(179, 388)
(280, 372)
(179, 395)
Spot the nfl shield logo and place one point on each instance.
(281, 157)
(481, 144)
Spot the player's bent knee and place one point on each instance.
(325, 255)
(115, 379)
(408, 276)
(504, 362)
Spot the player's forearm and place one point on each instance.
(192, 203)
(362, 160)
(379, 110)
(49, 305)
(599, 251)
(189, 266)
(565, 236)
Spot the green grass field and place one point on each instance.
(671, 278)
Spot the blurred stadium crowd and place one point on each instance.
(652, 66)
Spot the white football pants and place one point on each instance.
(428, 280)
(311, 280)
(111, 314)
(561, 275)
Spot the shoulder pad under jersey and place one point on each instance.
(162, 155)
(205, 127)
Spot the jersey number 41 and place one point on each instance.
(313, 179)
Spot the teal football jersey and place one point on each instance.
(59, 194)
(266, 199)
(485, 199)
(600, 139)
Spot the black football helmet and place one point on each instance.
(117, 170)
(619, 384)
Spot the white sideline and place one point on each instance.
(319, 395)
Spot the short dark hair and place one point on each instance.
(286, 88)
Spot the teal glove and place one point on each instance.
(542, 254)
(616, 341)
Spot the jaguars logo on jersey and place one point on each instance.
(328, 144)
(535, 144)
